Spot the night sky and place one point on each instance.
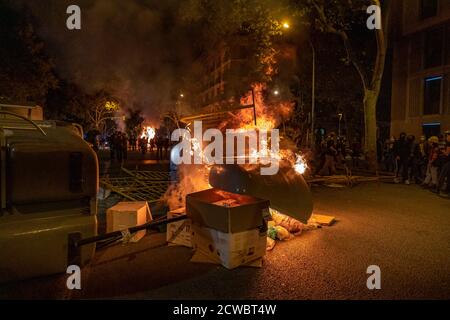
(137, 50)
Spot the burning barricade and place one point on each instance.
(228, 186)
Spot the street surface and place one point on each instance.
(403, 229)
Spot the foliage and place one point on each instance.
(102, 107)
(133, 122)
(255, 23)
(26, 72)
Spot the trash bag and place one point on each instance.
(270, 244)
(272, 233)
(290, 224)
(282, 233)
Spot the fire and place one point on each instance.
(268, 116)
(300, 165)
(149, 133)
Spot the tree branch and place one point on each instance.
(343, 35)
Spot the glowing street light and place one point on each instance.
(181, 95)
(276, 92)
(286, 25)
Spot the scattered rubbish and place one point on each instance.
(270, 244)
(179, 233)
(290, 224)
(283, 227)
(128, 214)
(282, 233)
(322, 219)
(272, 233)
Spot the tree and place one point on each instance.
(134, 122)
(103, 108)
(341, 18)
(255, 23)
(26, 72)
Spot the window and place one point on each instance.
(429, 8)
(433, 48)
(432, 96)
(431, 129)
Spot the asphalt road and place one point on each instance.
(402, 229)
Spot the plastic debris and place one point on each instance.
(290, 224)
(270, 244)
(272, 233)
(282, 233)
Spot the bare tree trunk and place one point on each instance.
(370, 119)
(372, 93)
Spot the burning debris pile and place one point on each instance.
(227, 203)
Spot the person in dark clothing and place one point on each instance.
(118, 146)
(356, 153)
(124, 145)
(402, 152)
(444, 177)
(159, 145)
(410, 166)
(143, 145)
(112, 145)
(388, 155)
(432, 175)
(166, 146)
(341, 148)
(329, 167)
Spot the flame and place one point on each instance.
(300, 165)
(149, 133)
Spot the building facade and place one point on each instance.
(421, 68)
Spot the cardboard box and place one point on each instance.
(228, 249)
(128, 214)
(224, 211)
(179, 233)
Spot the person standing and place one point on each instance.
(388, 155)
(402, 154)
(124, 146)
(431, 179)
(444, 177)
(329, 167)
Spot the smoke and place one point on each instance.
(137, 50)
(191, 178)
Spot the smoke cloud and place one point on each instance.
(137, 50)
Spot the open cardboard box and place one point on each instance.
(226, 212)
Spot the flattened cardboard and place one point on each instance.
(179, 233)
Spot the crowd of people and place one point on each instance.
(119, 144)
(422, 161)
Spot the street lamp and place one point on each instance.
(286, 25)
(276, 92)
